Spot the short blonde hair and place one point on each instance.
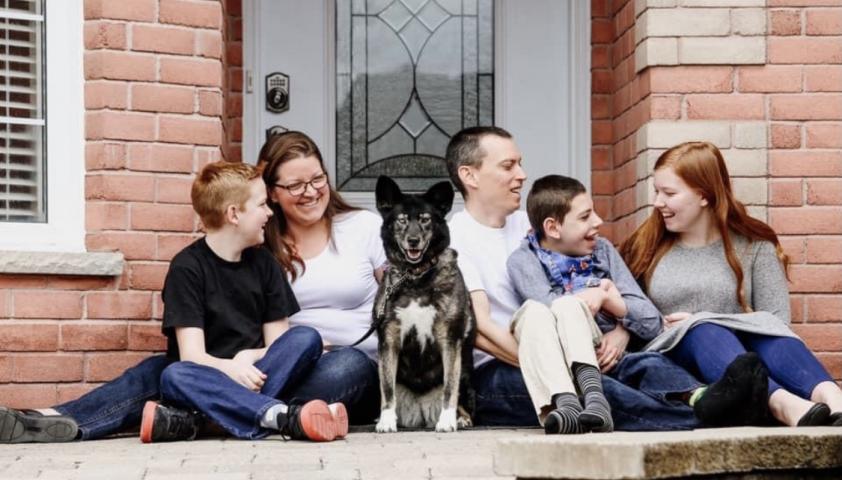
(219, 185)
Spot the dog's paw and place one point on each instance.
(464, 422)
(388, 421)
(447, 420)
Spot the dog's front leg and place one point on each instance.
(452, 366)
(389, 348)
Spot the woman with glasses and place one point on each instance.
(334, 259)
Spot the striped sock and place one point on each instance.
(597, 413)
(564, 418)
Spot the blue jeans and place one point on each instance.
(118, 404)
(708, 349)
(232, 406)
(345, 375)
(643, 391)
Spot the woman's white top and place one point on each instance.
(336, 292)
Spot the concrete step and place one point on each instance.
(635, 455)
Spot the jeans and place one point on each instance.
(118, 404)
(345, 375)
(232, 406)
(502, 397)
(708, 349)
(642, 390)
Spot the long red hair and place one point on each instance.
(701, 166)
(278, 150)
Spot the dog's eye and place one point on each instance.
(424, 219)
(401, 219)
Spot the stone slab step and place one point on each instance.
(635, 455)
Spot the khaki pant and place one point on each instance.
(550, 339)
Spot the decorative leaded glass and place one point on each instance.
(409, 74)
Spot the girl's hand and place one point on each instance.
(612, 348)
(673, 318)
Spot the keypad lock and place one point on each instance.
(277, 92)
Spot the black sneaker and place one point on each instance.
(739, 398)
(315, 420)
(162, 423)
(23, 426)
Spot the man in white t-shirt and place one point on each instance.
(485, 165)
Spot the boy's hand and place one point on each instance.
(250, 356)
(673, 318)
(611, 350)
(594, 297)
(244, 373)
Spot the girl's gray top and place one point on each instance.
(531, 282)
(699, 281)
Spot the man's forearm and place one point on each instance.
(497, 351)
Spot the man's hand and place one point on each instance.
(673, 318)
(242, 371)
(612, 348)
(594, 298)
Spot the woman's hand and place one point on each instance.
(612, 348)
(673, 318)
(243, 372)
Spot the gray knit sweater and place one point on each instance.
(531, 282)
(700, 281)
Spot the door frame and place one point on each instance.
(578, 116)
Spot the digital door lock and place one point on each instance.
(277, 92)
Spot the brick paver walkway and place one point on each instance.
(361, 456)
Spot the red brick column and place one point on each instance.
(763, 81)
(803, 86)
(154, 99)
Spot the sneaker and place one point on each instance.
(162, 423)
(23, 426)
(315, 420)
(739, 398)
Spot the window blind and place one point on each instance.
(22, 107)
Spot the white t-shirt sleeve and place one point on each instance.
(371, 224)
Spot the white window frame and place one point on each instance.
(65, 120)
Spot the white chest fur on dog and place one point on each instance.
(414, 315)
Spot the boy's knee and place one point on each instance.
(173, 374)
(307, 337)
(533, 314)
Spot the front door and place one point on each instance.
(381, 85)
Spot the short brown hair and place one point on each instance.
(550, 197)
(219, 185)
(464, 149)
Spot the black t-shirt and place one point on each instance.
(230, 301)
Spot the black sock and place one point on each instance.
(597, 413)
(565, 417)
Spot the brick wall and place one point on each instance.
(761, 81)
(155, 114)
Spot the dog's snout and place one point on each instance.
(413, 242)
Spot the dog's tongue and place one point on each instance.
(413, 254)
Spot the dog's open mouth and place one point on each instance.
(413, 255)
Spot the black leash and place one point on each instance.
(380, 310)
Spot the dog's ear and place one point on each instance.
(440, 196)
(387, 194)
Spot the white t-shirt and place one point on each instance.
(336, 292)
(483, 252)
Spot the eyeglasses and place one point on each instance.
(298, 188)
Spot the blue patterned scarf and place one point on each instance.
(571, 274)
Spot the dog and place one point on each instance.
(423, 315)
